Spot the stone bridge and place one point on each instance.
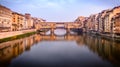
(58, 25)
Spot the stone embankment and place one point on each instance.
(14, 33)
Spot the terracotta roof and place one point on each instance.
(17, 13)
(4, 7)
(116, 7)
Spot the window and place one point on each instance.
(8, 22)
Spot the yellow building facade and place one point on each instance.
(29, 20)
(80, 20)
(105, 22)
(108, 19)
(116, 24)
(5, 18)
(102, 24)
(18, 21)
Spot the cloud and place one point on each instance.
(52, 3)
(61, 10)
(43, 4)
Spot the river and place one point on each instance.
(61, 50)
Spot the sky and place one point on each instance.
(59, 10)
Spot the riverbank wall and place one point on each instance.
(15, 33)
(112, 37)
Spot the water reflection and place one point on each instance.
(107, 51)
(12, 49)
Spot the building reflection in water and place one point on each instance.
(12, 49)
(105, 49)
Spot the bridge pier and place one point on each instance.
(52, 30)
(68, 30)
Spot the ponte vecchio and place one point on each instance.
(59, 25)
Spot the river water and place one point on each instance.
(61, 50)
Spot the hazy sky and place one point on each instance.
(59, 10)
